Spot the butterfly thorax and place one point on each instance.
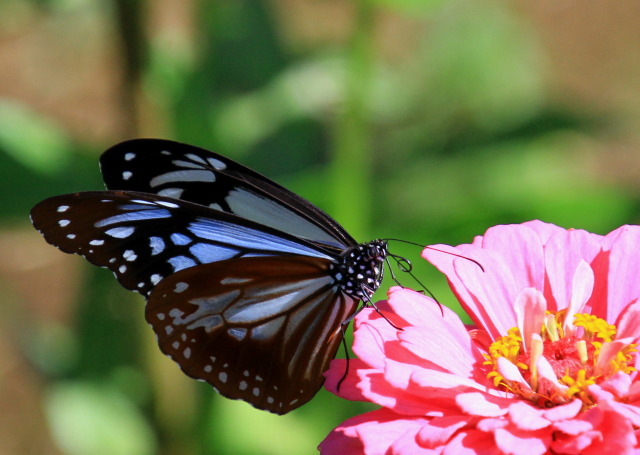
(359, 269)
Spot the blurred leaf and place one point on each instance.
(483, 70)
(87, 418)
(32, 139)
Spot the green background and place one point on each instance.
(428, 121)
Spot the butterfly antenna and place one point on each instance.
(438, 250)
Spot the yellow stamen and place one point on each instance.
(558, 350)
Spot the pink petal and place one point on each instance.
(485, 296)
(490, 293)
(608, 352)
(526, 417)
(457, 356)
(628, 322)
(490, 425)
(515, 442)
(370, 335)
(417, 310)
(581, 289)
(522, 250)
(471, 443)
(438, 431)
(372, 433)
(608, 401)
(530, 307)
(563, 412)
(615, 434)
(543, 230)
(563, 251)
(481, 404)
(545, 370)
(511, 373)
(349, 388)
(573, 427)
(624, 269)
(619, 384)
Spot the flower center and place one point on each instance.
(587, 356)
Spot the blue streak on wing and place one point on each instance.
(250, 239)
(142, 215)
(206, 253)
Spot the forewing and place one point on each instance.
(144, 238)
(196, 175)
(260, 329)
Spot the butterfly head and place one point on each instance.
(359, 270)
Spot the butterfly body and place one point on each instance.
(247, 284)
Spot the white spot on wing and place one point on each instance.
(180, 239)
(120, 232)
(237, 333)
(157, 245)
(155, 278)
(181, 287)
(129, 156)
(223, 377)
(63, 223)
(171, 205)
(186, 164)
(183, 176)
(63, 208)
(96, 242)
(217, 164)
(196, 158)
(126, 175)
(130, 255)
(174, 193)
(181, 262)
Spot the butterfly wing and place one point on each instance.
(258, 329)
(196, 175)
(144, 238)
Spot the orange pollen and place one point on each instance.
(573, 359)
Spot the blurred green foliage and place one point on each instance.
(433, 148)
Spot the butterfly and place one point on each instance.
(247, 284)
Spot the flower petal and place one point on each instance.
(372, 433)
(481, 404)
(581, 289)
(623, 272)
(628, 322)
(526, 417)
(563, 252)
(517, 442)
(471, 442)
(530, 307)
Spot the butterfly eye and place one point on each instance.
(247, 284)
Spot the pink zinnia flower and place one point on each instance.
(549, 368)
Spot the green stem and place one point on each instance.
(351, 160)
